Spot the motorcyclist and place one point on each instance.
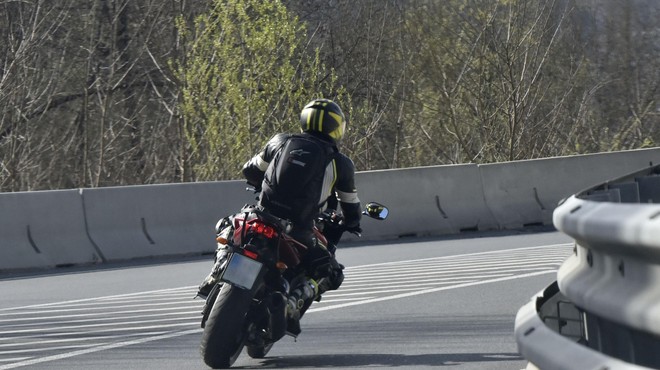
(300, 175)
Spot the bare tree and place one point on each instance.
(97, 93)
(32, 70)
(625, 76)
(488, 79)
(86, 94)
(363, 43)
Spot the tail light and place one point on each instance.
(255, 226)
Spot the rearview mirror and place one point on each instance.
(376, 210)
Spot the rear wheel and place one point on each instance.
(224, 335)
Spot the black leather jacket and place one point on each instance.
(338, 181)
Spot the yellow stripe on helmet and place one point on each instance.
(338, 132)
(309, 119)
(320, 121)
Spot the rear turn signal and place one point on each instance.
(281, 266)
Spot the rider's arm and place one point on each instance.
(255, 168)
(347, 192)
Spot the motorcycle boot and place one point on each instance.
(299, 300)
(212, 278)
(333, 279)
(224, 231)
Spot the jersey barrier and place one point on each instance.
(46, 229)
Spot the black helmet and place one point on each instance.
(325, 116)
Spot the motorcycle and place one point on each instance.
(250, 306)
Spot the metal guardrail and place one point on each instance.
(603, 312)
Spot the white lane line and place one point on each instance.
(70, 327)
(455, 264)
(46, 349)
(53, 310)
(460, 261)
(465, 255)
(117, 301)
(138, 329)
(539, 266)
(98, 349)
(143, 304)
(398, 288)
(379, 284)
(433, 290)
(14, 359)
(57, 335)
(92, 338)
(106, 313)
(187, 292)
(97, 318)
(97, 298)
(348, 285)
(342, 300)
(115, 313)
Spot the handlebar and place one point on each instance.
(335, 220)
(253, 189)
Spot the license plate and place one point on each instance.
(241, 271)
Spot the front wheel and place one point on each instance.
(259, 351)
(223, 337)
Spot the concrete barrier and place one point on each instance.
(120, 223)
(527, 192)
(160, 220)
(425, 201)
(43, 229)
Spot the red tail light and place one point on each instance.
(254, 226)
(259, 227)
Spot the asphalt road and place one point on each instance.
(414, 303)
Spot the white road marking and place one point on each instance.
(95, 318)
(88, 338)
(14, 359)
(115, 321)
(141, 304)
(70, 327)
(427, 291)
(98, 349)
(178, 308)
(113, 330)
(155, 292)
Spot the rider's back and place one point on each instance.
(295, 183)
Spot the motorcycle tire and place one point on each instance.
(224, 335)
(208, 305)
(259, 351)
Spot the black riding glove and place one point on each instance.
(354, 229)
(336, 276)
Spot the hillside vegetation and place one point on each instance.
(122, 92)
